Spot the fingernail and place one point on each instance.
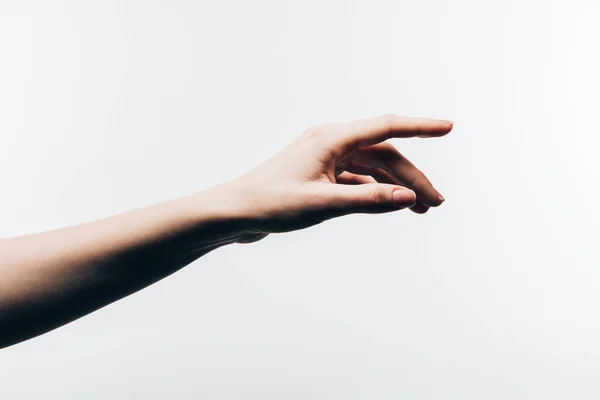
(403, 198)
(450, 122)
(440, 197)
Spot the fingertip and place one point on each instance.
(441, 198)
(435, 128)
(448, 125)
(437, 199)
(419, 208)
(427, 194)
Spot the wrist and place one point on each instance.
(224, 212)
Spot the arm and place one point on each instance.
(49, 279)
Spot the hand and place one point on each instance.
(337, 169)
(51, 278)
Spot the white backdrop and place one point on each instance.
(108, 106)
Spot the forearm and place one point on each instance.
(49, 279)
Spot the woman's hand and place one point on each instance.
(51, 278)
(336, 169)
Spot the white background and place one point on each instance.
(108, 106)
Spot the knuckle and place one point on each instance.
(316, 132)
(419, 180)
(310, 133)
(314, 199)
(328, 128)
(324, 136)
(388, 120)
(418, 130)
(376, 196)
(413, 181)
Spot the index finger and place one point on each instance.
(370, 131)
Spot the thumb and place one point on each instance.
(369, 198)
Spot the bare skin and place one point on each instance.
(52, 278)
